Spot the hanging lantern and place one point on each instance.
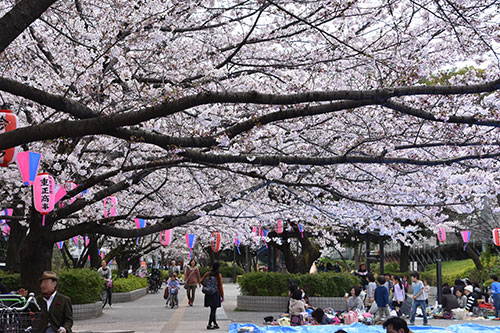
(301, 229)
(5, 229)
(441, 234)
(166, 237)
(6, 212)
(140, 223)
(215, 242)
(110, 204)
(75, 240)
(279, 227)
(496, 236)
(190, 240)
(43, 194)
(264, 236)
(465, 237)
(8, 122)
(60, 245)
(237, 244)
(60, 193)
(254, 232)
(28, 163)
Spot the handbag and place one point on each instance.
(165, 293)
(186, 280)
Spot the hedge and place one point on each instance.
(82, 286)
(226, 270)
(131, 283)
(11, 280)
(315, 285)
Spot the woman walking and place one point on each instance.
(192, 280)
(214, 293)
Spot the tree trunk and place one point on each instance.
(303, 262)
(95, 258)
(36, 254)
(16, 238)
(404, 260)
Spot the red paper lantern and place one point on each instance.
(44, 194)
(496, 236)
(8, 122)
(215, 242)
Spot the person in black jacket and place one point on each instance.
(449, 301)
(3, 287)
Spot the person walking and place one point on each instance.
(105, 273)
(495, 295)
(418, 298)
(191, 281)
(381, 296)
(173, 269)
(214, 293)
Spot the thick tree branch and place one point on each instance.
(19, 18)
(200, 157)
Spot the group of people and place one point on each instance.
(212, 287)
(462, 295)
(328, 267)
(465, 295)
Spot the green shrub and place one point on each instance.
(131, 283)
(315, 285)
(81, 285)
(226, 270)
(11, 280)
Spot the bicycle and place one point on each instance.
(108, 284)
(173, 298)
(14, 319)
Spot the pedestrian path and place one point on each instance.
(149, 314)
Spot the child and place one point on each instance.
(399, 295)
(418, 298)
(173, 286)
(427, 291)
(370, 288)
(405, 283)
(297, 306)
(382, 299)
(354, 302)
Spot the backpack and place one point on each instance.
(209, 286)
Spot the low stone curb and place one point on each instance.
(87, 311)
(129, 296)
(279, 303)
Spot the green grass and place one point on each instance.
(451, 270)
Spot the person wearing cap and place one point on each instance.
(57, 311)
(471, 298)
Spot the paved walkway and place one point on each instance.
(149, 314)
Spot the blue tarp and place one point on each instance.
(357, 328)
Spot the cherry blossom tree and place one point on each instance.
(194, 113)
